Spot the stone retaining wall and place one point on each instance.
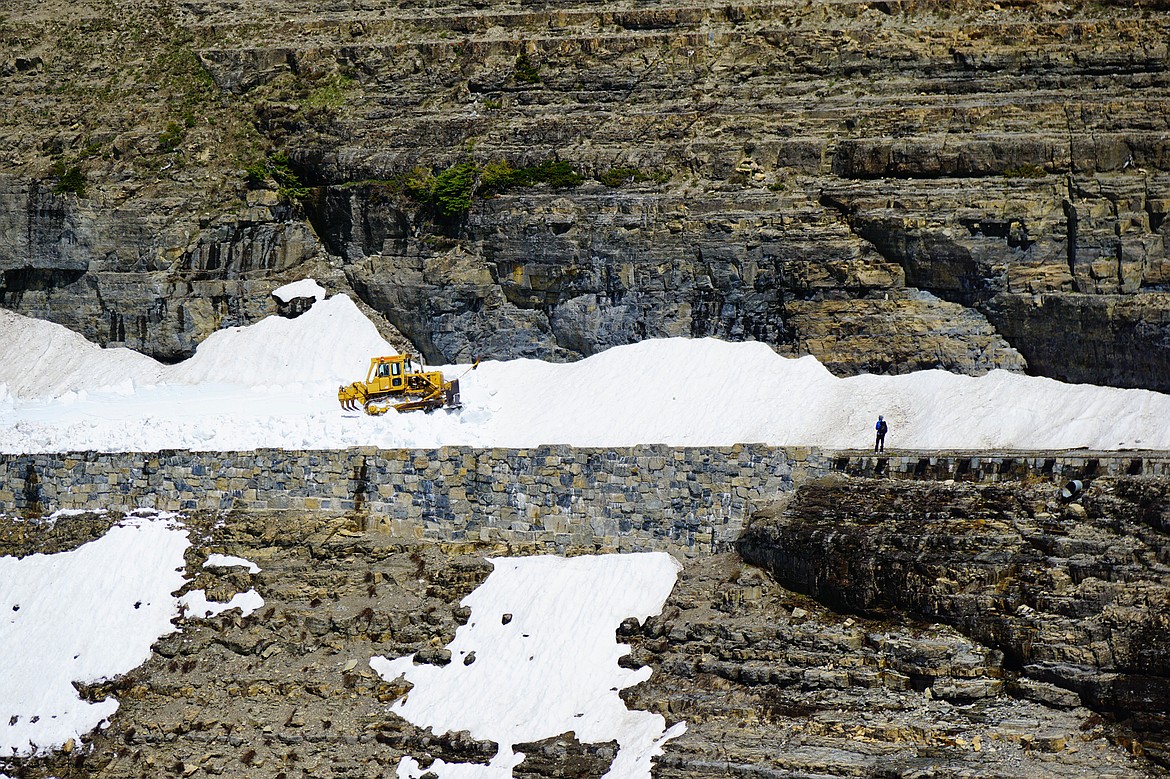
(554, 497)
(1000, 466)
(645, 497)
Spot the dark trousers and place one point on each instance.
(880, 443)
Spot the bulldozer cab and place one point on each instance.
(386, 373)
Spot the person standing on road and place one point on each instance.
(879, 444)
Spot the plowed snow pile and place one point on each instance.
(274, 384)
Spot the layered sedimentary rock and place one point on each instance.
(888, 186)
(1073, 595)
(768, 681)
(774, 684)
(132, 276)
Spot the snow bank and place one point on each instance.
(676, 391)
(217, 560)
(545, 662)
(89, 614)
(305, 288)
(331, 342)
(196, 604)
(39, 358)
(83, 616)
(274, 385)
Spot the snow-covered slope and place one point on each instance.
(85, 615)
(274, 384)
(40, 359)
(329, 342)
(537, 658)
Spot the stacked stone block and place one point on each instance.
(554, 497)
(982, 466)
(551, 497)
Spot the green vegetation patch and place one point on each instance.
(526, 70)
(1026, 171)
(497, 177)
(277, 170)
(331, 94)
(451, 191)
(70, 178)
(615, 177)
(170, 138)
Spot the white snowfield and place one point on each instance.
(84, 616)
(274, 385)
(538, 658)
(305, 288)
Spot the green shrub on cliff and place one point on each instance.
(526, 70)
(417, 184)
(615, 177)
(448, 192)
(555, 174)
(451, 191)
(499, 176)
(276, 169)
(256, 174)
(69, 179)
(170, 139)
(495, 177)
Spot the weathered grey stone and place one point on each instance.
(887, 186)
(1068, 603)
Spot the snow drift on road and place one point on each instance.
(274, 385)
(39, 359)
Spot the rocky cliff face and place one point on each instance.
(1074, 596)
(888, 186)
(769, 682)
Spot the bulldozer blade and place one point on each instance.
(451, 395)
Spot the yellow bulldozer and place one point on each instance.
(398, 382)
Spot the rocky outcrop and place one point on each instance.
(887, 186)
(151, 281)
(1072, 594)
(559, 276)
(768, 681)
(773, 684)
(287, 689)
(1075, 280)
